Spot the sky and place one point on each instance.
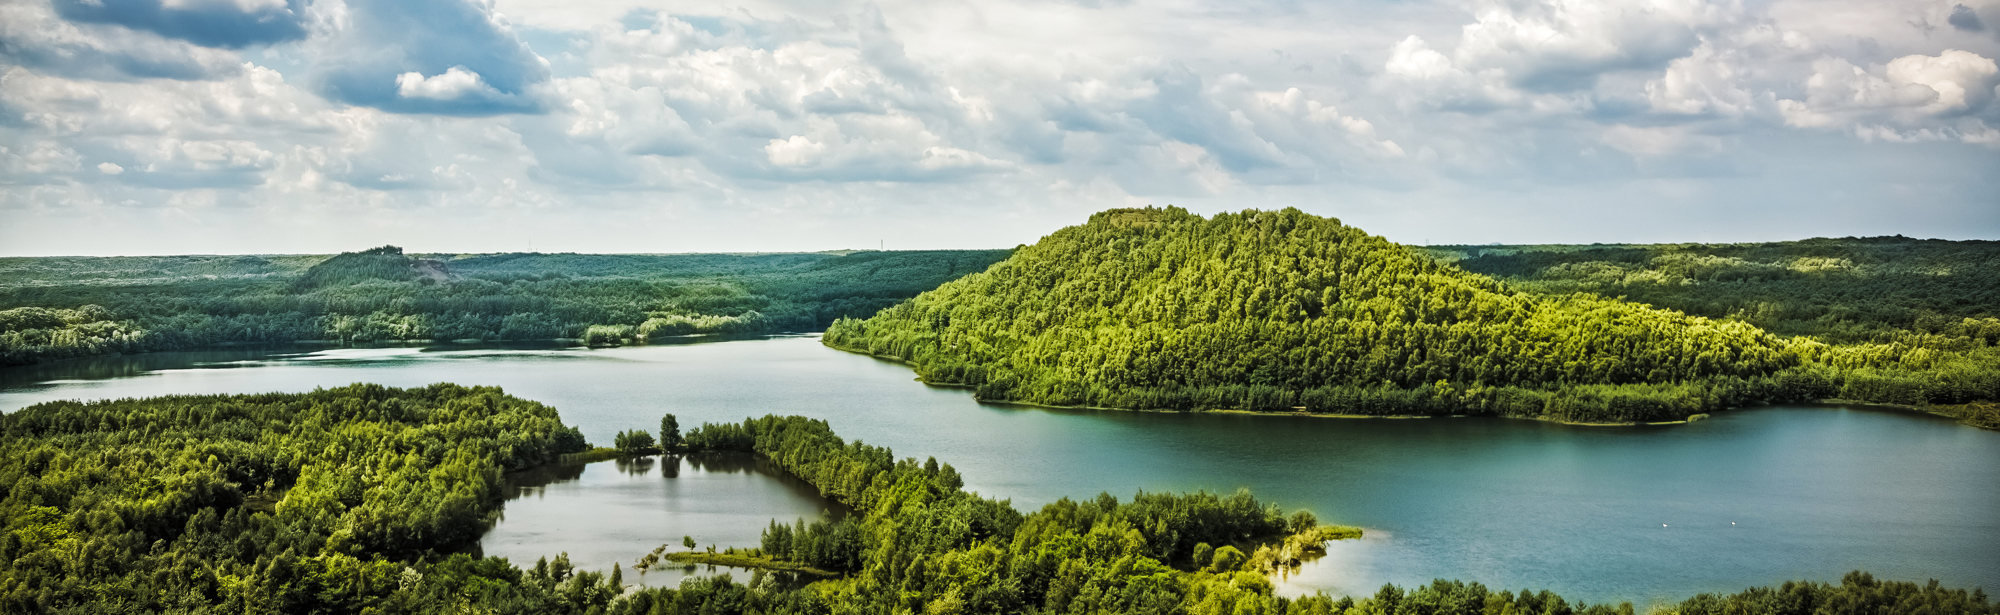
(318, 126)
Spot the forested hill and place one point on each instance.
(1850, 289)
(72, 306)
(1281, 310)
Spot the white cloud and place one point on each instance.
(1011, 114)
(1913, 98)
(1707, 81)
(454, 83)
(797, 151)
(1415, 59)
(1554, 45)
(1953, 75)
(109, 168)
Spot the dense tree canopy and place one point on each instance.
(366, 499)
(1160, 308)
(1847, 290)
(68, 307)
(260, 503)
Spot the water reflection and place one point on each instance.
(615, 512)
(127, 366)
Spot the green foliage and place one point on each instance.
(1847, 290)
(608, 335)
(917, 539)
(1283, 311)
(361, 500)
(387, 264)
(670, 434)
(1857, 593)
(635, 442)
(1276, 311)
(922, 545)
(749, 558)
(1880, 319)
(384, 295)
(30, 334)
(331, 500)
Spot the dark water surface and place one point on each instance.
(1596, 513)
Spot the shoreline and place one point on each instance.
(1008, 402)
(1929, 410)
(736, 560)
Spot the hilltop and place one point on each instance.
(1285, 311)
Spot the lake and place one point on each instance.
(1645, 514)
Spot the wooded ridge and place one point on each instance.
(1283, 311)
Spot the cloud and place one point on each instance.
(33, 35)
(232, 24)
(1911, 98)
(1006, 117)
(1707, 81)
(873, 148)
(1905, 90)
(1965, 19)
(1436, 82)
(448, 57)
(1563, 45)
(1959, 78)
(456, 83)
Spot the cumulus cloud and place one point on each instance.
(1438, 82)
(454, 84)
(1559, 45)
(33, 35)
(209, 23)
(1954, 75)
(1911, 98)
(1021, 111)
(448, 57)
(1707, 81)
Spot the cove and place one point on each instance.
(1639, 513)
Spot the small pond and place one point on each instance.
(614, 512)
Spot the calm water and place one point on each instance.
(617, 511)
(1597, 513)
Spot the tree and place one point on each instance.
(670, 433)
(634, 442)
(688, 541)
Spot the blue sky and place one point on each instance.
(262, 126)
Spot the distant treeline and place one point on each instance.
(70, 307)
(367, 499)
(1871, 289)
(1285, 311)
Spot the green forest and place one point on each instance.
(64, 307)
(369, 499)
(1282, 311)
